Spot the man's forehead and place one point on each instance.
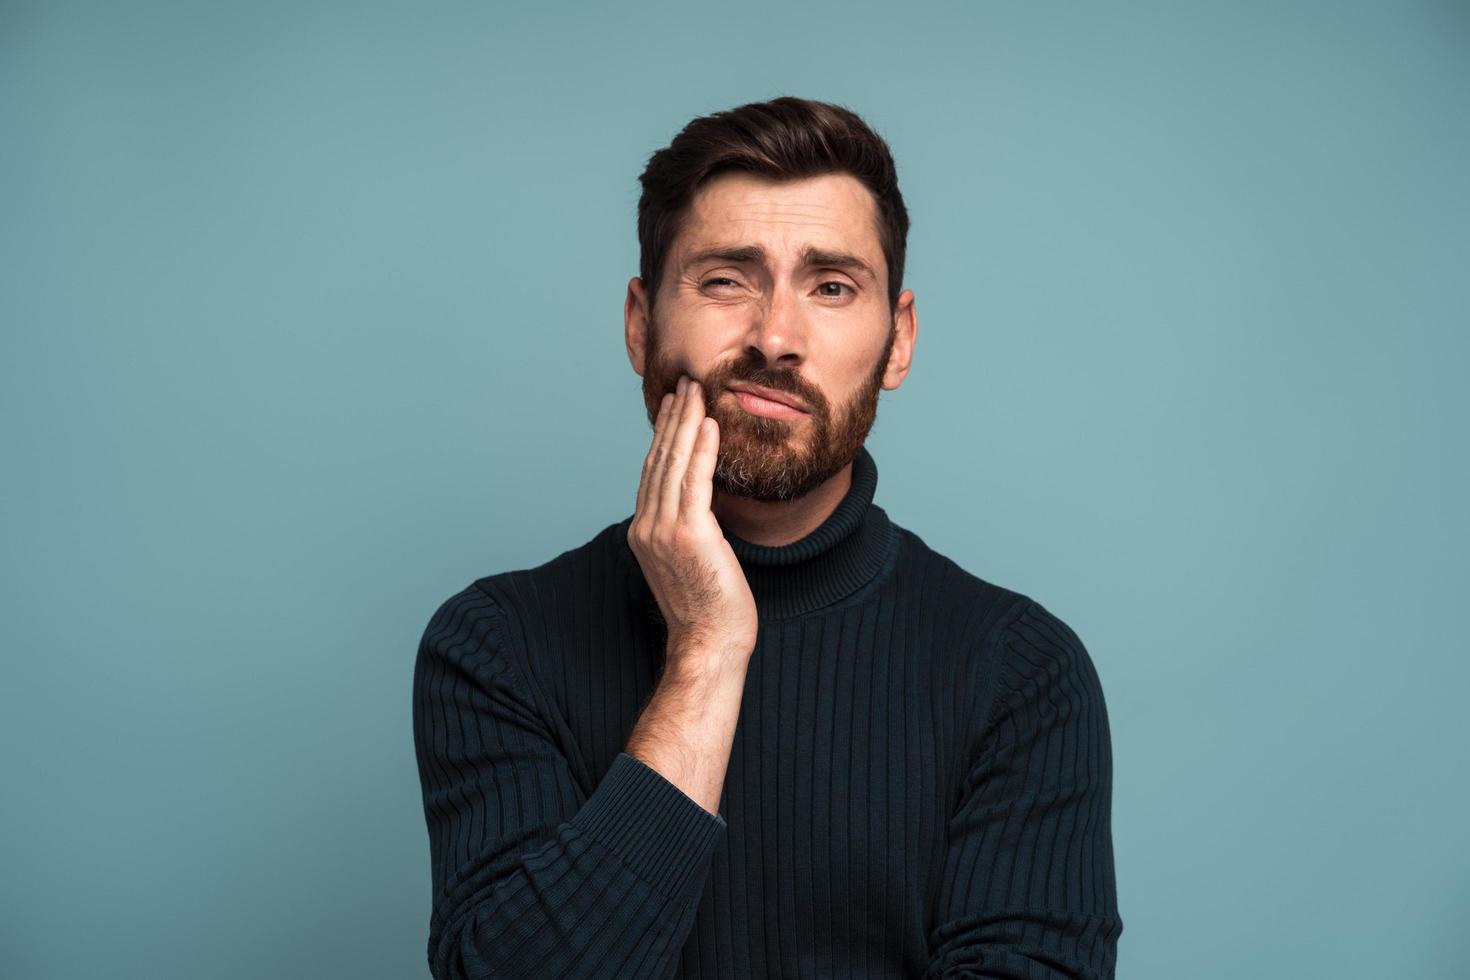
(834, 213)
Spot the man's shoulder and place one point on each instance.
(937, 577)
(1009, 635)
(1018, 616)
(517, 609)
(994, 612)
(562, 580)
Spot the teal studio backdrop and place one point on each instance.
(312, 314)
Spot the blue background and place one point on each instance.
(312, 315)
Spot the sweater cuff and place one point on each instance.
(651, 824)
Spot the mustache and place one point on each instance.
(782, 381)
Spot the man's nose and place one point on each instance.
(778, 330)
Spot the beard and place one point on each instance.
(771, 459)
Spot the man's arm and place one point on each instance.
(1028, 888)
(531, 878)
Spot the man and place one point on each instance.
(757, 729)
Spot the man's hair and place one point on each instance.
(784, 139)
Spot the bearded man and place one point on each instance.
(756, 728)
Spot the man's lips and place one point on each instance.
(770, 395)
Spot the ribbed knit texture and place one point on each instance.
(920, 783)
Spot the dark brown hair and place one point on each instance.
(785, 139)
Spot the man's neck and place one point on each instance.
(780, 522)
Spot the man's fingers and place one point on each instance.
(681, 445)
(645, 480)
(699, 475)
(661, 451)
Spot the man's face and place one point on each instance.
(781, 285)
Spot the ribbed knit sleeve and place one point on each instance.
(1028, 889)
(531, 877)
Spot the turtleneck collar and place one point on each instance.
(836, 559)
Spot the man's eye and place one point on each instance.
(719, 279)
(841, 285)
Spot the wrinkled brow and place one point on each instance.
(755, 255)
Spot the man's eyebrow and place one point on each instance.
(754, 254)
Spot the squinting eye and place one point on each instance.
(834, 282)
(711, 282)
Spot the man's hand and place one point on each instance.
(688, 564)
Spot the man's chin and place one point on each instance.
(768, 475)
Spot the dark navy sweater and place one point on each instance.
(920, 782)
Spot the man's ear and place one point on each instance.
(635, 325)
(906, 331)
